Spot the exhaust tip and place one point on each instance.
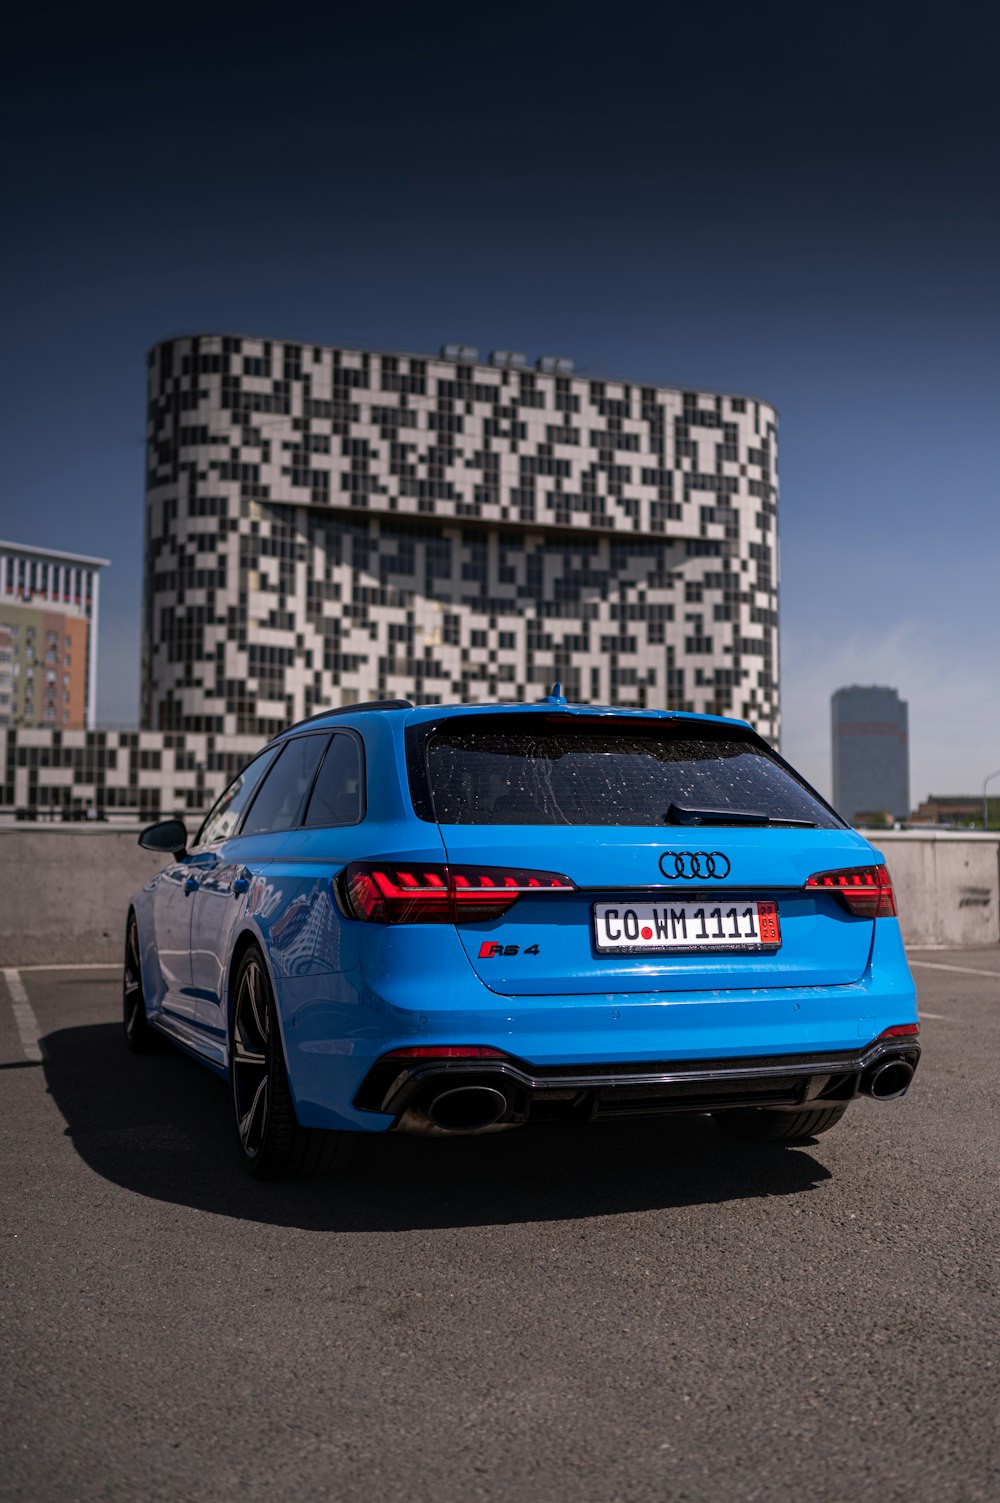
(467, 1108)
(889, 1080)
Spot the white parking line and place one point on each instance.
(966, 970)
(86, 965)
(24, 1017)
(939, 1017)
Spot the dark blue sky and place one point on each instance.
(792, 200)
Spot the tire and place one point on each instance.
(271, 1143)
(140, 1037)
(761, 1125)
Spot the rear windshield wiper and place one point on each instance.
(678, 814)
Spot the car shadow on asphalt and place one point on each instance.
(159, 1125)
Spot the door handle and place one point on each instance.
(241, 882)
(191, 884)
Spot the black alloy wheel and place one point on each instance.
(272, 1144)
(139, 1036)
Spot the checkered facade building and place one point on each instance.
(325, 526)
(117, 775)
(328, 525)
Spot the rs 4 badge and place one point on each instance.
(490, 949)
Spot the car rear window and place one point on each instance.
(496, 772)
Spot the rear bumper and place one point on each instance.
(338, 1028)
(407, 1091)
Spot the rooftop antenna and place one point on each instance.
(555, 695)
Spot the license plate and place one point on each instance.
(658, 928)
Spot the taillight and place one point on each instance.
(397, 895)
(386, 893)
(864, 890)
(446, 1051)
(901, 1030)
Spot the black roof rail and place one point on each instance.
(365, 704)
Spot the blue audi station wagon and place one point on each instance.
(465, 919)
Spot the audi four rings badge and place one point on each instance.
(691, 864)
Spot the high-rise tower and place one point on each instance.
(871, 753)
(328, 525)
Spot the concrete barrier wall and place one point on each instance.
(947, 884)
(64, 892)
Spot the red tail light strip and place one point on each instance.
(865, 891)
(384, 893)
(901, 1030)
(447, 1051)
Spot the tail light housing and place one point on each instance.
(381, 892)
(865, 891)
(900, 1031)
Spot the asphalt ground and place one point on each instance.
(625, 1312)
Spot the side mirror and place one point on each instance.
(169, 837)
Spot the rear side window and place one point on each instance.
(277, 805)
(338, 795)
(496, 772)
(222, 819)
